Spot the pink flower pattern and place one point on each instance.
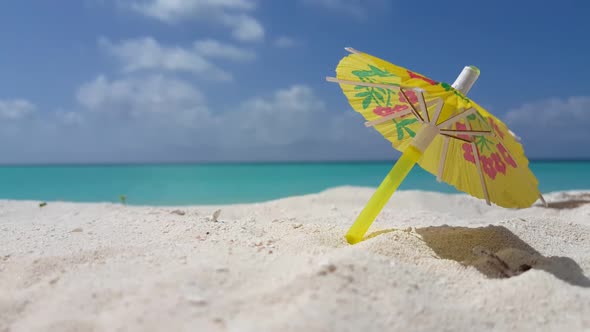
(499, 164)
(505, 155)
(468, 153)
(495, 127)
(411, 94)
(385, 111)
(467, 149)
(487, 164)
(427, 80)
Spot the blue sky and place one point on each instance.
(243, 80)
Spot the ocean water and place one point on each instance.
(234, 183)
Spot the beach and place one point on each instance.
(431, 262)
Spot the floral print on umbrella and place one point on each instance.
(498, 159)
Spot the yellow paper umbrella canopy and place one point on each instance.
(489, 166)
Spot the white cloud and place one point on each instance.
(217, 49)
(355, 8)
(553, 127)
(147, 54)
(13, 109)
(285, 117)
(174, 10)
(158, 118)
(350, 7)
(285, 42)
(245, 28)
(143, 97)
(233, 14)
(556, 113)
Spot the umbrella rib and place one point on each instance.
(422, 104)
(445, 148)
(518, 139)
(481, 178)
(484, 187)
(466, 132)
(543, 200)
(395, 116)
(387, 118)
(484, 120)
(371, 85)
(457, 138)
(443, 159)
(456, 118)
(414, 111)
(352, 50)
(438, 109)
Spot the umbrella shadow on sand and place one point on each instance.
(497, 253)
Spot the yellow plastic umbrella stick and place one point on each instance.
(391, 182)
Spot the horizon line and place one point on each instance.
(238, 162)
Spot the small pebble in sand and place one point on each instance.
(178, 212)
(219, 321)
(326, 268)
(77, 230)
(297, 225)
(196, 300)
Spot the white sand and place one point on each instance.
(284, 266)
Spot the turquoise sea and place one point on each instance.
(183, 184)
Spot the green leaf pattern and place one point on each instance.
(402, 127)
(379, 96)
(483, 143)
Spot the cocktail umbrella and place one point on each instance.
(437, 126)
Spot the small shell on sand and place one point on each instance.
(215, 215)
